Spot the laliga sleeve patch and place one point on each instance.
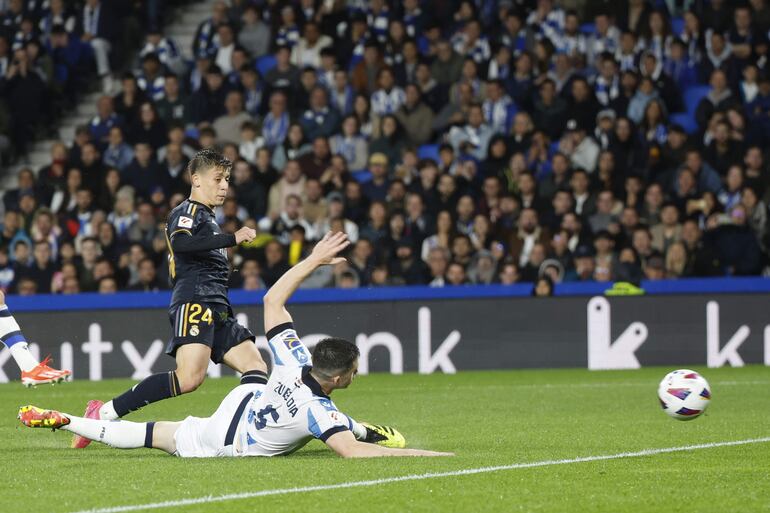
(336, 417)
(185, 222)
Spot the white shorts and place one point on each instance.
(200, 437)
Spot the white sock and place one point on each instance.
(10, 334)
(359, 431)
(107, 412)
(24, 359)
(121, 434)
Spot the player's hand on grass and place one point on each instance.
(325, 252)
(245, 234)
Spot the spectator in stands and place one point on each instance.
(118, 153)
(446, 90)
(208, 102)
(24, 92)
(390, 142)
(350, 144)
(307, 51)
(415, 116)
(377, 187)
(720, 98)
(254, 34)
(319, 119)
(151, 80)
(41, 271)
(317, 161)
(148, 280)
(166, 50)
(98, 27)
(472, 138)
(128, 100)
(205, 36)
(228, 126)
(144, 172)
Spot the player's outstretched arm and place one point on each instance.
(182, 241)
(346, 445)
(324, 253)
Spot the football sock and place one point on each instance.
(107, 411)
(121, 434)
(153, 389)
(254, 376)
(12, 337)
(359, 431)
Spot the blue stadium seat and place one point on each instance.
(512, 110)
(265, 64)
(192, 133)
(677, 26)
(428, 151)
(553, 149)
(693, 95)
(588, 28)
(687, 121)
(362, 176)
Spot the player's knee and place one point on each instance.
(189, 381)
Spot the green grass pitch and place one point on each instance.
(487, 418)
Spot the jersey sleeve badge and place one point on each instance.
(185, 222)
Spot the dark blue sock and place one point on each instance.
(254, 376)
(148, 435)
(153, 389)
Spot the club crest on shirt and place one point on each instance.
(293, 344)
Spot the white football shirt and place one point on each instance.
(292, 409)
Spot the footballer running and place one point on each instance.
(262, 417)
(204, 327)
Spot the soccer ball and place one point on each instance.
(684, 394)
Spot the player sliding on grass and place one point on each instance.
(262, 417)
(32, 371)
(203, 324)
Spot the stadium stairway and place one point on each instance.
(184, 23)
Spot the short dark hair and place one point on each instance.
(334, 356)
(206, 159)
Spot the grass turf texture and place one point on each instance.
(487, 418)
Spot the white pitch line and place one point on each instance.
(415, 477)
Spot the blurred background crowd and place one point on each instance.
(455, 141)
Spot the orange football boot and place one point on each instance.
(43, 374)
(34, 417)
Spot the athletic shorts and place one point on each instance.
(211, 324)
(214, 436)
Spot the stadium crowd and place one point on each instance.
(487, 141)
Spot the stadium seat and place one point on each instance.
(265, 64)
(512, 110)
(361, 176)
(588, 28)
(686, 120)
(693, 95)
(553, 149)
(677, 26)
(428, 151)
(192, 133)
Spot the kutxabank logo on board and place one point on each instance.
(440, 335)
